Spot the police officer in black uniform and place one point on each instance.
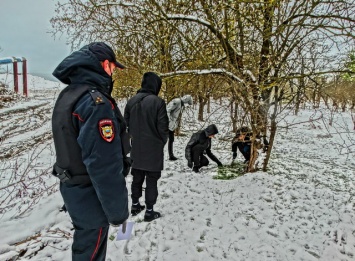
(88, 137)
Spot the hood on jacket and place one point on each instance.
(211, 130)
(83, 67)
(187, 99)
(151, 83)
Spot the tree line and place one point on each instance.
(262, 55)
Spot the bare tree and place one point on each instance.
(258, 46)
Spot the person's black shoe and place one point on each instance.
(195, 169)
(172, 157)
(151, 215)
(63, 208)
(136, 209)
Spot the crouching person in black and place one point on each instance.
(199, 143)
(242, 142)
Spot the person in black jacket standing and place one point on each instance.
(199, 143)
(87, 129)
(147, 120)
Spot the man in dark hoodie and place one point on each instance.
(87, 129)
(199, 143)
(147, 120)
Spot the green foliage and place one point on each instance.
(232, 171)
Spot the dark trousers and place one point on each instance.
(90, 244)
(244, 149)
(170, 143)
(199, 160)
(151, 190)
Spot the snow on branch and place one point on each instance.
(188, 18)
(250, 74)
(207, 71)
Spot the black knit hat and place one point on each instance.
(104, 52)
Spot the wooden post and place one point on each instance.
(24, 76)
(15, 75)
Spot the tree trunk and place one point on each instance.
(271, 143)
(234, 115)
(209, 105)
(200, 108)
(253, 156)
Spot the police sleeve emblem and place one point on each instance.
(106, 130)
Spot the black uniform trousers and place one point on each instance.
(89, 220)
(244, 148)
(90, 244)
(151, 190)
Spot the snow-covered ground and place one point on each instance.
(301, 209)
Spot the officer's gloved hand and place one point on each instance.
(189, 164)
(234, 155)
(124, 225)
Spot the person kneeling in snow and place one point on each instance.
(242, 142)
(199, 143)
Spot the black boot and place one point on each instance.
(136, 209)
(172, 157)
(170, 149)
(196, 169)
(150, 215)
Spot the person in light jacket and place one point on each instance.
(174, 109)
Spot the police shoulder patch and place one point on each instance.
(97, 97)
(106, 130)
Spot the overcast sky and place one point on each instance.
(24, 26)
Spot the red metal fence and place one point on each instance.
(14, 61)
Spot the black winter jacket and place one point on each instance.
(236, 142)
(200, 143)
(147, 121)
